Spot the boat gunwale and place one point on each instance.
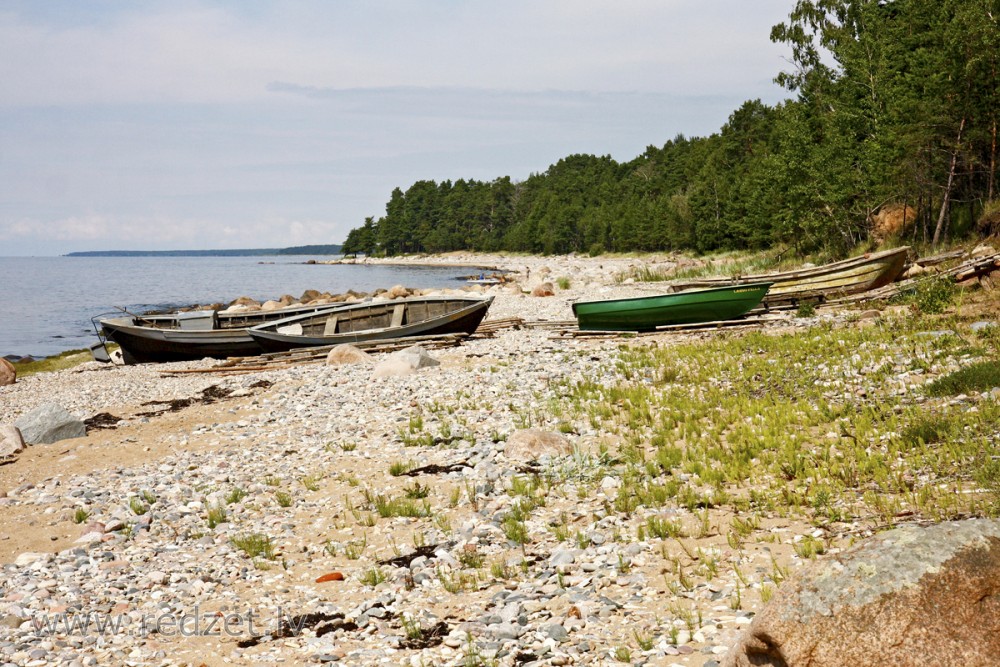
(265, 327)
(810, 272)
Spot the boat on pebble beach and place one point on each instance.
(815, 283)
(646, 313)
(416, 316)
(191, 335)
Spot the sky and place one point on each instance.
(249, 124)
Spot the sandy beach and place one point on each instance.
(282, 515)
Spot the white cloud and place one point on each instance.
(207, 53)
(212, 124)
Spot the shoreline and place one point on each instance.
(252, 503)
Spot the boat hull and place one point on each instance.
(646, 313)
(158, 338)
(849, 276)
(457, 315)
(142, 345)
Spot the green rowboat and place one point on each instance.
(645, 313)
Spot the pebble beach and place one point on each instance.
(248, 529)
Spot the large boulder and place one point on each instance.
(909, 596)
(983, 250)
(49, 423)
(11, 442)
(544, 289)
(310, 295)
(531, 444)
(892, 221)
(398, 292)
(245, 301)
(347, 354)
(404, 362)
(8, 374)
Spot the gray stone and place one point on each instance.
(49, 423)
(982, 326)
(563, 557)
(557, 632)
(505, 631)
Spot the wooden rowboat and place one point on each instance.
(849, 276)
(646, 313)
(191, 335)
(419, 316)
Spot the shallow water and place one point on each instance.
(48, 301)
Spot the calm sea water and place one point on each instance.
(47, 302)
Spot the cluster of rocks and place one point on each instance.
(312, 297)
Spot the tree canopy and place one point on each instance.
(895, 102)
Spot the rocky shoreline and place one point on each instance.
(280, 523)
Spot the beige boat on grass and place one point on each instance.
(848, 276)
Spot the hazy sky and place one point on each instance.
(176, 125)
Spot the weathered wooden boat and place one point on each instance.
(418, 316)
(645, 313)
(191, 335)
(849, 276)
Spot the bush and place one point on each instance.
(933, 295)
(982, 376)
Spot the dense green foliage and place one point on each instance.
(896, 102)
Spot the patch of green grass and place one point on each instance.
(373, 576)
(59, 362)
(354, 549)
(456, 582)
(80, 515)
(311, 482)
(753, 421)
(417, 491)
(235, 495)
(981, 376)
(215, 516)
(515, 529)
(393, 507)
(471, 558)
(562, 282)
(255, 545)
(137, 506)
(664, 528)
(283, 498)
(933, 295)
(397, 468)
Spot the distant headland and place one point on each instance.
(329, 249)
